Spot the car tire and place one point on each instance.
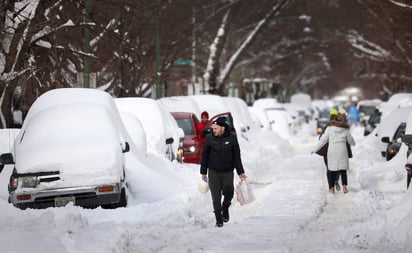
(123, 198)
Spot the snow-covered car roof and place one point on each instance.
(158, 124)
(180, 104)
(390, 123)
(213, 104)
(395, 101)
(242, 118)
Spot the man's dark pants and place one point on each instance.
(221, 183)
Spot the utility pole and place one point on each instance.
(157, 52)
(86, 45)
(193, 51)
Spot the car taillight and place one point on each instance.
(24, 197)
(408, 166)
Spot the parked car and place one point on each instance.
(163, 135)
(367, 109)
(323, 120)
(389, 125)
(70, 149)
(394, 143)
(192, 145)
(373, 120)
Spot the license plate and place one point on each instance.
(62, 201)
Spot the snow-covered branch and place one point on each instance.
(234, 58)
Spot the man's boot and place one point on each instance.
(225, 213)
(219, 219)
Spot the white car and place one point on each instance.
(163, 135)
(70, 149)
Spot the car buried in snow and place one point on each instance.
(70, 149)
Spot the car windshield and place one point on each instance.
(186, 125)
(400, 131)
(324, 114)
(368, 110)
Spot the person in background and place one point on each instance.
(220, 156)
(353, 115)
(204, 118)
(200, 129)
(333, 114)
(337, 135)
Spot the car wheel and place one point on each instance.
(123, 198)
(122, 202)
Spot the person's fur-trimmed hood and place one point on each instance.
(337, 123)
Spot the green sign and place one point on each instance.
(184, 62)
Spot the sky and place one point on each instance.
(293, 210)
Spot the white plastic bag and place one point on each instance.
(244, 193)
(203, 185)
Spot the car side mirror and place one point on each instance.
(385, 139)
(169, 141)
(6, 158)
(126, 147)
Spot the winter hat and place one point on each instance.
(333, 112)
(204, 114)
(221, 121)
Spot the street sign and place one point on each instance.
(182, 62)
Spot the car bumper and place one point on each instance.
(192, 158)
(88, 196)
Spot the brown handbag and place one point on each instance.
(349, 150)
(323, 150)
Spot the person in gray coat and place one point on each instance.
(337, 135)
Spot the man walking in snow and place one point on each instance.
(220, 156)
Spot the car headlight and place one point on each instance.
(392, 151)
(28, 182)
(190, 149)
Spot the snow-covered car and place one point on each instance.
(70, 149)
(394, 143)
(386, 130)
(163, 135)
(367, 109)
(323, 120)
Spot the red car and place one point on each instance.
(192, 145)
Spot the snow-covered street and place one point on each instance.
(293, 211)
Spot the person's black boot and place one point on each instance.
(225, 213)
(219, 219)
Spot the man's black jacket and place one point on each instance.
(221, 154)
